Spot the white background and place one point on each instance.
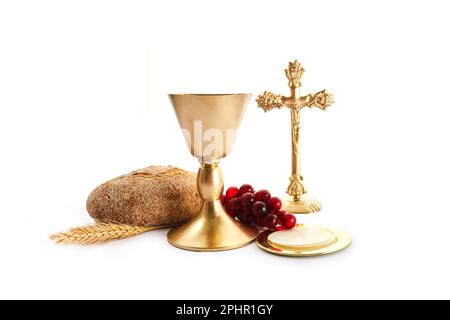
(83, 99)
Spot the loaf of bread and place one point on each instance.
(153, 196)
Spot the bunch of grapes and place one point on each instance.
(258, 208)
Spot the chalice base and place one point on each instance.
(304, 205)
(212, 230)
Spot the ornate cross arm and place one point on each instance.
(321, 100)
(268, 101)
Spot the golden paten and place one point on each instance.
(341, 240)
(298, 201)
(210, 123)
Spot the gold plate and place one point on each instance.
(343, 240)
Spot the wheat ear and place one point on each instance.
(100, 232)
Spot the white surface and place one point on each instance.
(82, 99)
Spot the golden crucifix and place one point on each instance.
(299, 201)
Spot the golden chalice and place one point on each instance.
(210, 123)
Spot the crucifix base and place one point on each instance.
(304, 205)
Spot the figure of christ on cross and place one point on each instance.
(299, 201)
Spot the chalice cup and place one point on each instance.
(210, 123)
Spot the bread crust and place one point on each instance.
(152, 196)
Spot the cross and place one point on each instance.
(295, 102)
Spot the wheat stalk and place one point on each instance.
(100, 232)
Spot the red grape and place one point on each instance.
(259, 208)
(288, 221)
(275, 205)
(270, 221)
(264, 196)
(246, 218)
(246, 188)
(247, 201)
(233, 207)
(259, 221)
(231, 192)
(280, 213)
